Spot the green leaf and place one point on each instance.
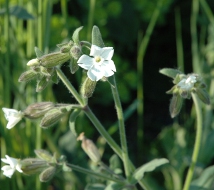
(114, 186)
(170, 72)
(75, 36)
(18, 12)
(72, 120)
(205, 181)
(96, 186)
(38, 52)
(148, 167)
(97, 37)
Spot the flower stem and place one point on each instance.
(90, 114)
(90, 172)
(69, 86)
(121, 127)
(197, 142)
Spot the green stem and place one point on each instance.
(90, 114)
(90, 172)
(97, 123)
(121, 127)
(69, 86)
(197, 142)
(103, 132)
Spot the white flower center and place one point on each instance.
(97, 59)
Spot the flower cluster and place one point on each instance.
(184, 85)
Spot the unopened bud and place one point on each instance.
(42, 84)
(76, 51)
(33, 62)
(33, 165)
(44, 155)
(47, 174)
(73, 66)
(88, 87)
(51, 117)
(27, 76)
(90, 148)
(175, 105)
(37, 110)
(54, 59)
(203, 95)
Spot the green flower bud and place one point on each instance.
(44, 155)
(88, 87)
(203, 95)
(90, 148)
(42, 84)
(54, 59)
(33, 165)
(73, 65)
(76, 51)
(175, 105)
(27, 76)
(33, 62)
(37, 110)
(52, 117)
(47, 174)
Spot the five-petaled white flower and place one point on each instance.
(100, 65)
(14, 164)
(13, 117)
(188, 83)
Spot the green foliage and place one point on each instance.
(123, 24)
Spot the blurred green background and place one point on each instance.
(146, 36)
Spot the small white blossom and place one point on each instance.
(13, 117)
(100, 65)
(188, 83)
(33, 62)
(14, 164)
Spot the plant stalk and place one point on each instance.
(197, 142)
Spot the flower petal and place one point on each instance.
(107, 72)
(95, 73)
(10, 113)
(95, 50)
(85, 62)
(107, 53)
(110, 64)
(12, 122)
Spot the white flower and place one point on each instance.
(33, 62)
(188, 83)
(100, 64)
(13, 117)
(14, 164)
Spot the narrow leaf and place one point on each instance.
(148, 167)
(72, 120)
(75, 36)
(96, 37)
(170, 72)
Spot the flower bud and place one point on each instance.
(37, 110)
(90, 148)
(203, 95)
(27, 76)
(76, 51)
(54, 59)
(175, 105)
(73, 65)
(42, 84)
(51, 117)
(44, 155)
(47, 174)
(88, 87)
(33, 62)
(33, 165)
